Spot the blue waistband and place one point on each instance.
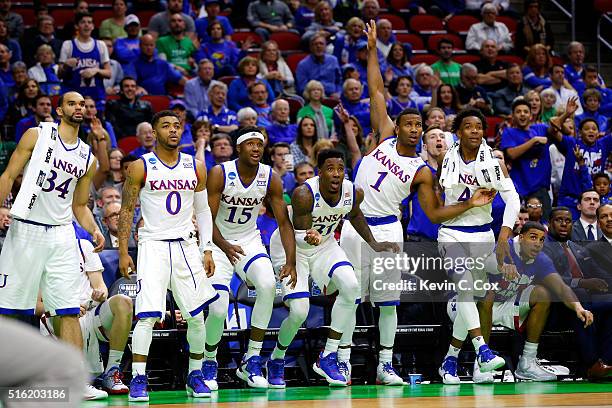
(39, 224)
(172, 240)
(469, 228)
(389, 219)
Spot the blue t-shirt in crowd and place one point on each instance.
(201, 24)
(225, 117)
(153, 75)
(419, 223)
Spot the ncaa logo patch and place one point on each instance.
(152, 160)
(231, 175)
(317, 196)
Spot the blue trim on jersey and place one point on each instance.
(327, 202)
(7, 311)
(81, 251)
(313, 196)
(142, 315)
(218, 286)
(188, 267)
(358, 301)
(162, 162)
(97, 311)
(172, 240)
(389, 219)
(239, 178)
(38, 224)
(337, 265)
(354, 197)
(296, 295)
(87, 164)
(203, 306)
(356, 168)
(68, 311)
(269, 179)
(469, 228)
(144, 162)
(388, 303)
(253, 259)
(67, 149)
(224, 176)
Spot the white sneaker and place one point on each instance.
(346, 369)
(91, 393)
(553, 368)
(530, 369)
(448, 371)
(386, 375)
(482, 378)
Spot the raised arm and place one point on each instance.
(134, 181)
(556, 123)
(381, 122)
(17, 162)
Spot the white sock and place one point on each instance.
(331, 346)
(453, 351)
(344, 354)
(194, 364)
(478, 341)
(530, 350)
(254, 348)
(114, 359)
(211, 355)
(278, 353)
(385, 355)
(139, 369)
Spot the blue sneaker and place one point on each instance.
(251, 371)
(448, 371)
(276, 373)
(487, 360)
(327, 367)
(138, 389)
(195, 386)
(209, 369)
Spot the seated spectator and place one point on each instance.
(548, 97)
(127, 49)
(111, 226)
(322, 115)
(321, 67)
(275, 70)
(221, 148)
(160, 22)
(128, 111)
(151, 72)
(13, 21)
(590, 79)
(281, 130)
(592, 101)
(397, 61)
(115, 177)
(104, 196)
(45, 71)
(601, 184)
(303, 171)
(502, 99)
(114, 27)
(537, 68)
(144, 133)
(180, 109)
(201, 132)
(445, 68)
(347, 45)
(600, 250)
(246, 117)
(111, 85)
(400, 90)
(222, 119)
(535, 103)
(491, 71)
(6, 74)
(302, 148)
(196, 89)
(447, 99)
(532, 29)
(222, 52)
(574, 68)
(176, 47)
(91, 113)
(269, 16)
(534, 209)
(42, 113)
(323, 23)
(248, 69)
(44, 35)
(24, 104)
(304, 13)
(213, 8)
(488, 29)
(352, 102)
(586, 227)
(425, 83)
(19, 71)
(12, 45)
(385, 39)
(475, 6)
(258, 96)
(562, 88)
(470, 93)
(282, 164)
(370, 10)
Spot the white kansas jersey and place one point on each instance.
(386, 178)
(240, 204)
(54, 204)
(326, 216)
(166, 199)
(89, 261)
(463, 191)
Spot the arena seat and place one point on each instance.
(240, 36)
(145, 16)
(228, 79)
(330, 102)
(424, 59)
(510, 22)
(128, 143)
(492, 123)
(293, 60)
(413, 39)
(62, 16)
(426, 24)
(101, 15)
(287, 41)
(400, 5)
(432, 41)
(463, 58)
(158, 102)
(511, 59)
(397, 23)
(296, 103)
(461, 24)
(29, 18)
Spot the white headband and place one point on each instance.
(250, 135)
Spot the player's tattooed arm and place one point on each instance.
(17, 162)
(134, 180)
(81, 211)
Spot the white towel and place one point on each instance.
(488, 170)
(38, 167)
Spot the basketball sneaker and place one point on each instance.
(196, 386)
(448, 371)
(482, 378)
(327, 367)
(276, 373)
(91, 393)
(346, 370)
(209, 369)
(111, 382)
(386, 375)
(487, 360)
(530, 369)
(138, 389)
(251, 371)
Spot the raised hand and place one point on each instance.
(370, 32)
(572, 106)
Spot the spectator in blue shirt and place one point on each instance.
(352, 102)
(258, 95)
(213, 7)
(92, 112)
(306, 14)
(590, 77)
(12, 45)
(282, 164)
(345, 45)
(400, 89)
(536, 70)
(321, 67)
(3, 100)
(42, 113)
(221, 147)
(397, 60)
(127, 49)
(6, 74)
(574, 70)
(280, 130)
(222, 119)
(238, 96)
(144, 133)
(591, 102)
(222, 52)
(601, 184)
(151, 72)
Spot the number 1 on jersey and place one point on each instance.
(382, 176)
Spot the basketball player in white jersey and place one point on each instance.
(101, 320)
(40, 250)
(318, 206)
(469, 235)
(389, 174)
(171, 187)
(237, 190)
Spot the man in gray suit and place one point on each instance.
(586, 228)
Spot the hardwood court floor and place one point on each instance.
(566, 394)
